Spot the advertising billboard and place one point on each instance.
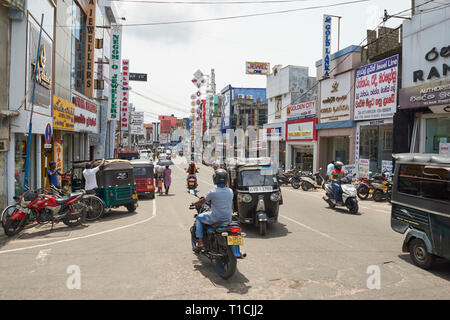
(376, 89)
(257, 68)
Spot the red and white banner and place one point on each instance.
(125, 105)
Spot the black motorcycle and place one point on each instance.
(296, 179)
(221, 240)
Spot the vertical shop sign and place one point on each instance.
(58, 154)
(326, 57)
(114, 72)
(125, 110)
(90, 45)
(364, 168)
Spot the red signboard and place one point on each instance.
(165, 126)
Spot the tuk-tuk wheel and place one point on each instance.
(419, 254)
(152, 195)
(131, 207)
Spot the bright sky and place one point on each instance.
(170, 54)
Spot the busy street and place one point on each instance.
(313, 252)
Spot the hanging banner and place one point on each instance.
(58, 155)
(376, 89)
(137, 123)
(90, 48)
(124, 104)
(114, 72)
(326, 56)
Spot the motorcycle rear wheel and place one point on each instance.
(378, 196)
(227, 265)
(306, 186)
(363, 192)
(295, 183)
(95, 207)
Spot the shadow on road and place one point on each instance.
(274, 230)
(341, 210)
(441, 267)
(236, 284)
(114, 214)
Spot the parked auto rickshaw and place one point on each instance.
(257, 195)
(116, 185)
(143, 171)
(421, 205)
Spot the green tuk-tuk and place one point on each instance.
(421, 204)
(116, 184)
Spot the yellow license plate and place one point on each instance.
(235, 240)
(135, 196)
(371, 191)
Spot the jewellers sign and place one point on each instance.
(335, 94)
(301, 130)
(376, 89)
(114, 72)
(428, 95)
(90, 48)
(301, 110)
(257, 68)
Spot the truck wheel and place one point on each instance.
(419, 254)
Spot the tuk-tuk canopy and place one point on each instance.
(248, 161)
(115, 172)
(422, 158)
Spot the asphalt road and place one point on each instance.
(312, 253)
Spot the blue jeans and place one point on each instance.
(336, 189)
(205, 218)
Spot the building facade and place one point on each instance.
(425, 93)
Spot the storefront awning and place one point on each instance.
(336, 125)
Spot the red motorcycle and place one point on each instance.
(43, 208)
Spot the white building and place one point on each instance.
(288, 88)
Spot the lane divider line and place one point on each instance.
(86, 236)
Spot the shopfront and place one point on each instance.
(274, 134)
(301, 146)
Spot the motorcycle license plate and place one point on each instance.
(191, 183)
(371, 191)
(235, 240)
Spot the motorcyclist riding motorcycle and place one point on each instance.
(221, 204)
(192, 170)
(336, 174)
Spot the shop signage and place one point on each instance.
(137, 123)
(114, 72)
(350, 169)
(138, 76)
(335, 104)
(94, 139)
(433, 56)
(85, 115)
(226, 107)
(301, 130)
(63, 114)
(386, 166)
(43, 89)
(301, 110)
(364, 168)
(427, 95)
(257, 68)
(90, 48)
(376, 89)
(58, 154)
(326, 56)
(125, 105)
(444, 148)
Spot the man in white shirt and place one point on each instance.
(90, 176)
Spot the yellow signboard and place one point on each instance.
(63, 114)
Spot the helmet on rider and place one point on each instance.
(220, 176)
(338, 165)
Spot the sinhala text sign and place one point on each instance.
(376, 89)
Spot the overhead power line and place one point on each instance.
(208, 2)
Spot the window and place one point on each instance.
(78, 48)
(278, 107)
(256, 178)
(426, 181)
(437, 130)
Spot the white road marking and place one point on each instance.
(317, 231)
(42, 256)
(86, 236)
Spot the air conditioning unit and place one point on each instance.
(249, 97)
(241, 96)
(260, 100)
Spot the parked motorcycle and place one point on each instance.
(43, 208)
(313, 181)
(284, 177)
(382, 190)
(222, 242)
(296, 179)
(366, 187)
(347, 193)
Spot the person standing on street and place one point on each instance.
(52, 174)
(90, 176)
(167, 179)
